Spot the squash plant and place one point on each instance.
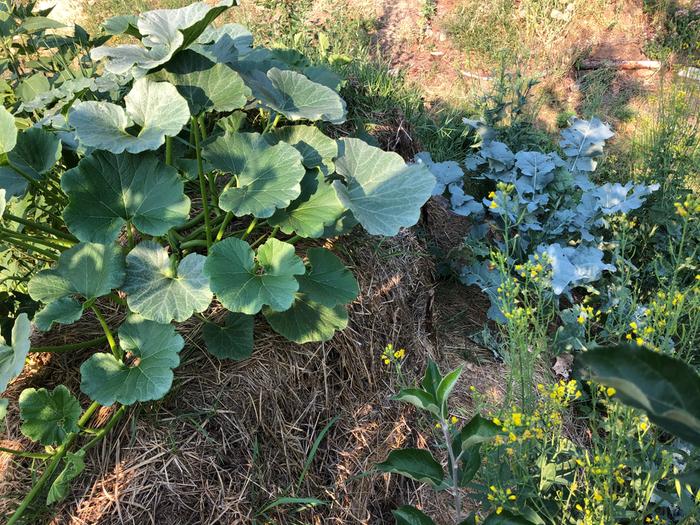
(163, 175)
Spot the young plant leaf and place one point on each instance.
(233, 340)
(155, 348)
(159, 292)
(244, 284)
(163, 33)
(382, 192)
(317, 208)
(106, 190)
(666, 388)
(267, 177)
(307, 320)
(204, 84)
(431, 379)
(419, 398)
(478, 430)
(65, 310)
(73, 465)
(408, 515)
(8, 131)
(12, 357)
(48, 417)
(317, 149)
(445, 388)
(414, 463)
(327, 281)
(156, 107)
(87, 269)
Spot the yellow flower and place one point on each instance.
(493, 205)
(387, 361)
(497, 421)
(628, 337)
(493, 488)
(499, 510)
(438, 426)
(492, 194)
(610, 391)
(454, 420)
(512, 437)
(640, 341)
(633, 325)
(517, 419)
(581, 319)
(399, 354)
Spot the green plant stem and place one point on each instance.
(201, 229)
(168, 150)
(454, 471)
(23, 454)
(49, 243)
(227, 220)
(101, 433)
(40, 227)
(195, 243)
(31, 248)
(293, 239)
(202, 181)
(51, 468)
(250, 228)
(194, 221)
(116, 351)
(130, 235)
(62, 349)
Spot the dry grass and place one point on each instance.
(232, 437)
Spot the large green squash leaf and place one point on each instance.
(233, 340)
(267, 176)
(204, 84)
(12, 356)
(74, 465)
(667, 389)
(244, 283)
(317, 149)
(156, 107)
(65, 310)
(155, 346)
(307, 321)
(106, 190)
(296, 97)
(327, 280)
(414, 463)
(382, 192)
(163, 31)
(36, 152)
(87, 269)
(158, 292)
(8, 131)
(316, 208)
(48, 417)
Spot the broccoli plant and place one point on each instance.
(542, 205)
(167, 174)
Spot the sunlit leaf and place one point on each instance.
(156, 107)
(244, 283)
(74, 464)
(8, 131)
(307, 321)
(382, 192)
(267, 177)
(65, 310)
(414, 463)
(161, 292)
(327, 281)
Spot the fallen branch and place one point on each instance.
(619, 64)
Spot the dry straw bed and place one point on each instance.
(232, 437)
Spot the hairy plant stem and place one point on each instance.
(101, 433)
(53, 465)
(41, 227)
(49, 243)
(168, 150)
(202, 180)
(194, 243)
(454, 471)
(194, 221)
(130, 235)
(201, 229)
(227, 219)
(253, 224)
(62, 349)
(294, 239)
(116, 351)
(24, 454)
